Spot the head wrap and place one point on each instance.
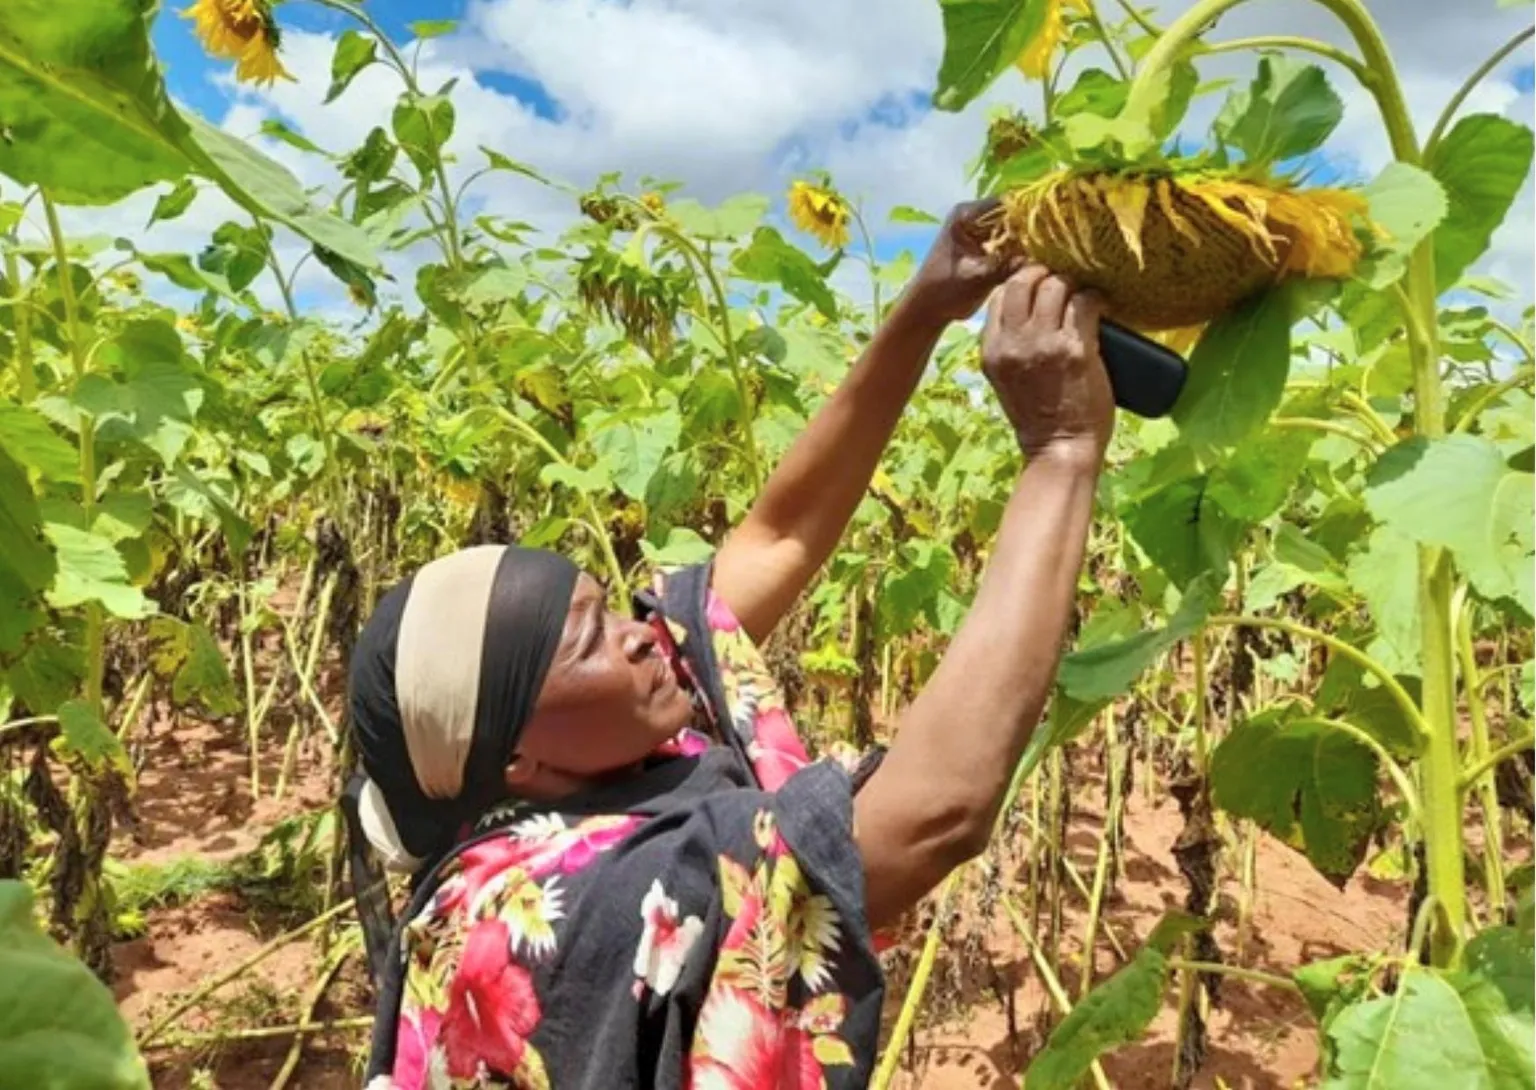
(443, 680)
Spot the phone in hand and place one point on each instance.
(1146, 377)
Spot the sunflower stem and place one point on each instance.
(1107, 41)
(1481, 73)
(1306, 45)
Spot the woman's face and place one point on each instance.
(610, 697)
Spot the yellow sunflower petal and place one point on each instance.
(1128, 202)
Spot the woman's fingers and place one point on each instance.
(1051, 303)
(1084, 312)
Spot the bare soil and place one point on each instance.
(194, 798)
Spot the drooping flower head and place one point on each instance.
(1172, 250)
(244, 31)
(818, 210)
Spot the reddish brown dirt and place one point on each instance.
(194, 797)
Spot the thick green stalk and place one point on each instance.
(1487, 792)
(95, 660)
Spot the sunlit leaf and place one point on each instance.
(172, 204)
(188, 656)
(1407, 203)
(91, 570)
(1481, 164)
(1237, 372)
(423, 125)
(771, 259)
(354, 52)
(1110, 669)
(1287, 111)
(982, 39)
(84, 737)
(27, 437)
(59, 1026)
(1115, 1012)
(683, 547)
(1182, 531)
(1505, 957)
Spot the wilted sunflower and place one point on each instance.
(819, 211)
(1035, 60)
(243, 31)
(1170, 250)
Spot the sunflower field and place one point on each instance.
(1276, 828)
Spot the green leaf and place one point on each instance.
(59, 1026)
(84, 109)
(683, 547)
(1407, 203)
(1458, 492)
(1332, 984)
(1435, 1031)
(422, 29)
(171, 205)
(156, 406)
(422, 125)
(594, 480)
(188, 656)
(285, 133)
(1305, 782)
(1287, 111)
(1255, 478)
(1116, 1012)
(84, 737)
(734, 217)
(771, 259)
(1481, 164)
(91, 570)
(904, 213)
(1183, 532)
(498, 161)
(1096, 92)
(27, 565)
(27, 437)
(981, 39)
(197, 496)
(263, 186)
(354, 52)
(631, 446)
(1386, 573)
(1237, 372)
(1505, 957)
(1098, 673)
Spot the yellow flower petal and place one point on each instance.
(819, 212)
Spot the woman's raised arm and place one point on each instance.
(792, 528)
(932, 802)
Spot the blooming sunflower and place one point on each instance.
(819, 211)
(1170, 251)
(1035, 60)
(243, 31)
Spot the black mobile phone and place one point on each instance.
(1146, 377)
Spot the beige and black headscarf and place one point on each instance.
(443, 680)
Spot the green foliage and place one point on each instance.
(1237, 372)
(1481, 163)
(1115, 1012)
(981, 39)
(1288, 111)
(59, 1026)
(1305, 782)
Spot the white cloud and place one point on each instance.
(726, 95)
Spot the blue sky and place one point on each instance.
(746, 95)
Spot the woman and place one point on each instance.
(626, 870)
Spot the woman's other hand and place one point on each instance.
(1040, 352)
(960, 271)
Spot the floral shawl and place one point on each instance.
(698, 926)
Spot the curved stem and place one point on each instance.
(95, 660)
(1138, 18)
(1478, 75)
(874, 274)
(1107, 41)
(1491, 394)
(1306, 45)
(532, 434)
(728, 341)
(1349, 651)
(1269, 980)
(1370, 417)
(1331, 427)
(1399, 777)
(1496, 758)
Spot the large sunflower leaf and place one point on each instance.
(1436, 1030)
(1407, 204)
(1458, 492)
(1504, 956)
(1116, 1012)
(1183, 531)
(1386, 573)
(981, 39)
(59, 1026)
(1481, 163)
(1098, 673)
(1288, 110)
(27, 437)
(1304, 781)
(83, 107)
(770, 259)
(1237, 372)
(92, 570)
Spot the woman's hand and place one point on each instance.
(959, 271)
(1040, 352)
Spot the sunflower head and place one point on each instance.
(642, 302)
(244, 31)
(1170, 251)
(818, 210)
